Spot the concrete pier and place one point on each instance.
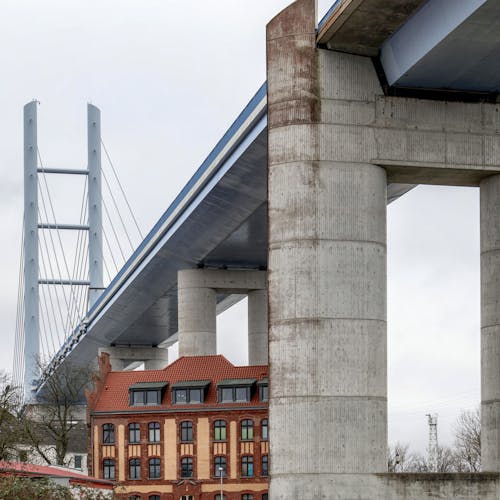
(197, 294)
(257, 328)
(490, 323)
(327, 270)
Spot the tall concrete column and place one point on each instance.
(490, 323)
(326, 269)
(196, 315)
(257, 328)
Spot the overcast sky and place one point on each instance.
(170, 77)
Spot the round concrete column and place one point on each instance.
(490, 324)
(326, 271)
(196, 316)
(257, 328)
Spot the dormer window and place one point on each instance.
(147, 393)
(189, 392)
(263, 389)
(235, 390)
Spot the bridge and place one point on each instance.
(404, 91)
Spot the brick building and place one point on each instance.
(171, 433)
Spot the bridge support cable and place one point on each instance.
(141, 237)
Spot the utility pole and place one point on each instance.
(433, 442)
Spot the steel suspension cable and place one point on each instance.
(121, 189)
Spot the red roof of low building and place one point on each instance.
(114, 394)
(32, 470)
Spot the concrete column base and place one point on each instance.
(387, 486)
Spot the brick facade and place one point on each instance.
(109, 403)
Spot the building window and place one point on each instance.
(247, 496)
(264, 496)
(78, 461)
(154, 432)
(235, 390)
(220, 466)
(23, 456)
(108, 433)
(154, 468)
(264, 392)
(145, 398)
(154, 497)
(247, 466)
(220, 430)
(147, 393)
(134, 433)
(265, 465)
(109, 468)
(234, 394)
(264, 427)
(187, 497)
(134, 468)
(187, 467)
(134, 497)
(217, 497)
(247, 430)
(187, 396)
(186, 431)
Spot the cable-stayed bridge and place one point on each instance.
(219, 219)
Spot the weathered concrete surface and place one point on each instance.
(334, 142)
(257, 328)
(444, 486)
(154, 358)
(490, 323)
(326, 275)
(393, 487)
(197, 293)
(361, 26)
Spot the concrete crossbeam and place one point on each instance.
(120, 357)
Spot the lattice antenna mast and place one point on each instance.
(32, 278)
(433, 442)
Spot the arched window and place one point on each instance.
(217, 497)
(265, 465)
(247, 430)
(134, 468)
(220, 466)
(154, 497)
(154, 432)
(264, 496)
(220, 430)
(154, 468)
(186, 431)
(247, 496)
(134, 433)
(187, 467)
(247, 466)
(108, 466)
(264, 429)
(108, 433)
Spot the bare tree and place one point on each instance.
(401, 459)
(51, 424)
(468, 441)
(10, 430)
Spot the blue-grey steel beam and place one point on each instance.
(31, 291)
(94, 203)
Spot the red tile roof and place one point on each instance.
(115, 387)
(32, 470)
